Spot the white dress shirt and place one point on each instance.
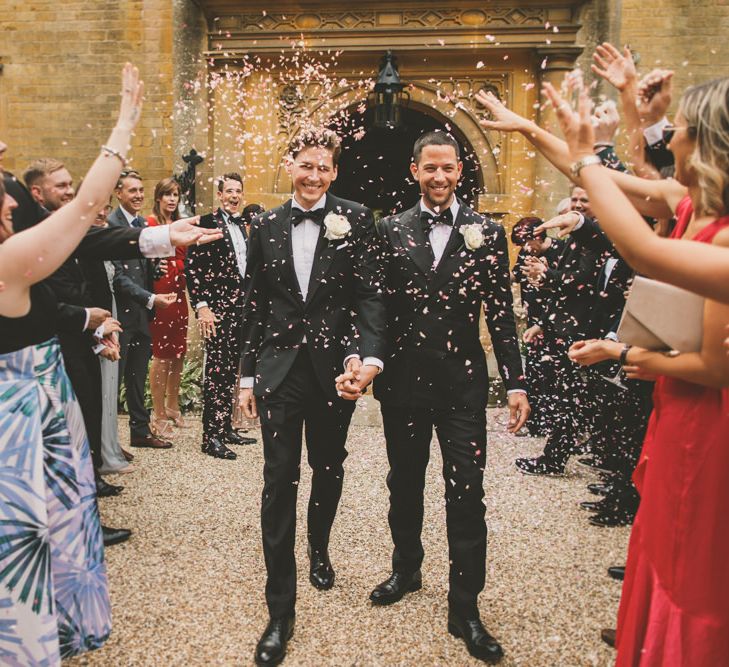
(440, 233)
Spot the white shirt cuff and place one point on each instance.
(581, 221)
(155, 242)
(654, 133)
(515, 391)
(99, 333)
(611, 335)
(201, 304)
(368, 361)
(98, 348)
(246, 383)
(88, 317)
(150, 302)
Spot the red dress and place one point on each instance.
(169, 326)
(674, 609)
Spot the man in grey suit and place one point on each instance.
(136, 301)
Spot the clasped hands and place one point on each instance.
(354, 381)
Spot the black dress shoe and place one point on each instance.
(592, 506)
(106, 490)
(321, 572)
(214, 447)
(617, 572)
(394, 588)
(271, 647)
(540, 466)
(608, 636)
(599, 489)
(233, 438)
(612, 518)
(594, 463)
(479, 642)
(113, 536)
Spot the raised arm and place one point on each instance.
(32, 255)
(651, 198)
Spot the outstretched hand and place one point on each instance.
(565, 223)
(502, 119)
(576, 124)
(185, 232)
(615, 67)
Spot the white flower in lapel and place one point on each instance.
(472, 235)
(336, 226)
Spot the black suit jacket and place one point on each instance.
(434, 354)
(211, 270)
(343, 313)
(133, 284)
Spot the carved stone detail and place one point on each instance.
(412, 19)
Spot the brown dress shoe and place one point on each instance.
(150, 441)
(127, 455)
(608, 636)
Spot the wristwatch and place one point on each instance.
(577, 167)
(624, 354)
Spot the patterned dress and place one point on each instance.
(54, 601)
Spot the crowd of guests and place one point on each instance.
(90, 295)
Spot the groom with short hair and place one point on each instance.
(313, 307)
(442, 261)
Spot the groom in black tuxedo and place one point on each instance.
(312, 308)
(442, 261)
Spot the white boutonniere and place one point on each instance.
(472, 235)
(336, 226)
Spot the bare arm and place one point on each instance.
(32, 255)
(651, 198)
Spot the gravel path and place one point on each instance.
(187, 589)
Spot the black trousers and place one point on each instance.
(136, 351)
(84, 371)
(299, 405)
(462, 438)
(222, 354)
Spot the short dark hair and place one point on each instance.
(327, 139)
(231, 176)
(39, 169)
(435, 138)
(250, 212)
(127, 173)
(523, 231)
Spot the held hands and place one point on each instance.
(353, 383)
(131, 98)
(97, 317)
(185, 232)
(565, 223)
(164, 300)
(247, 402)
(206, 320)
(519, 410)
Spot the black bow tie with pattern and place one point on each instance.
(428, 220)
(297, 215)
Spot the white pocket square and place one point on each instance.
(344, 245)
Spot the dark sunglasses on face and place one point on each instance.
(669, 130)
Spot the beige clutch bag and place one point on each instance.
(659, 317)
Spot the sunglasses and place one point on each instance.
(669, 130)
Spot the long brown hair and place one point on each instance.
(164, 187)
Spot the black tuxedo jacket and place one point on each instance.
(211, 270)
(343, 313)
(133, 284)
(434, 355)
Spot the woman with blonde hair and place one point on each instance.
(169, 326)
(675, 604)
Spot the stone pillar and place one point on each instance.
(550, 185)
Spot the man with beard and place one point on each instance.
(442, 261)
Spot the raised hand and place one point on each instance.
(576, 125)
(502, 119)
(565, 223)
(132, 91)
(615, 67)
(655, 92)
(185, 232)
(605, 121)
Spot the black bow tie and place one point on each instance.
(297, 215)
(235, 220)
(428, 220)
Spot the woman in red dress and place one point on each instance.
(674, 610)
(169, 326)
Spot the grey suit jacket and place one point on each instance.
(133, 284)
